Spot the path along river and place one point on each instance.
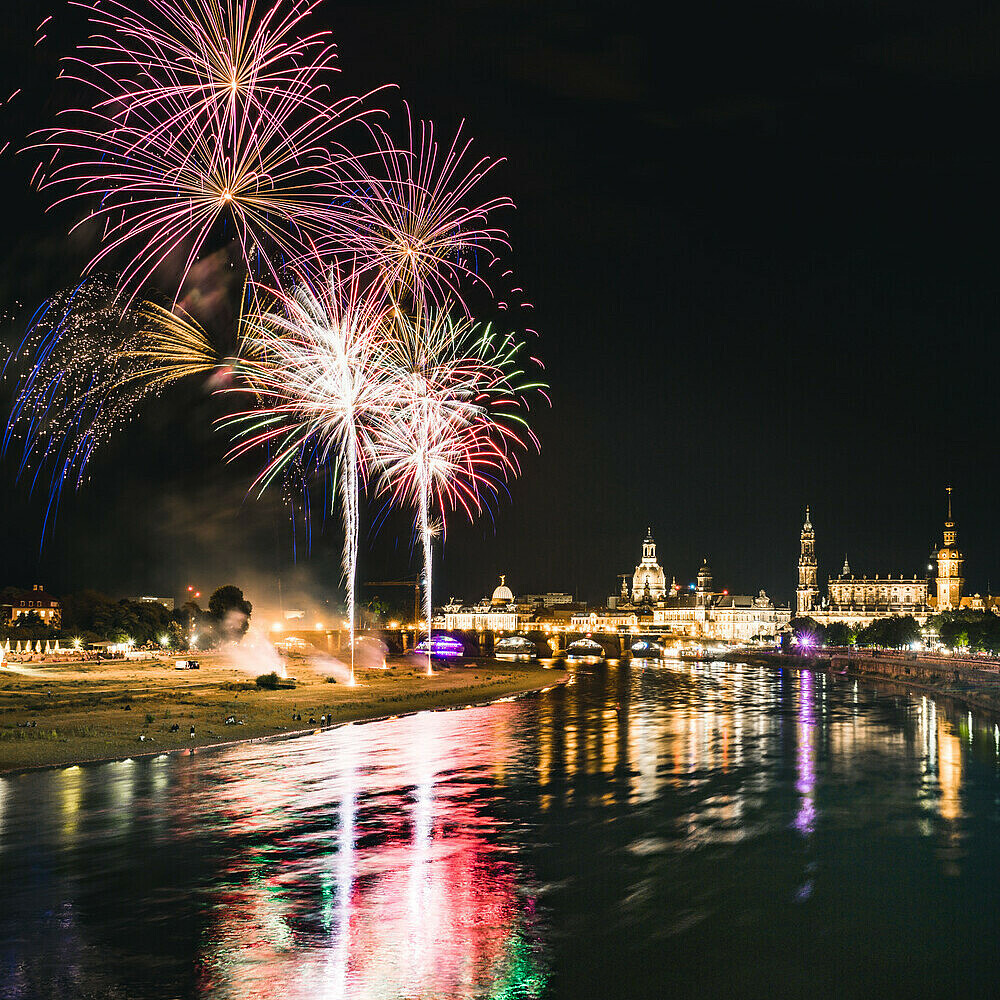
(650, 830)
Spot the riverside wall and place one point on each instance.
(976, 682)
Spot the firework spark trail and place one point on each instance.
(316, 368)
(85, 370)
(203, 113)
(453, 431)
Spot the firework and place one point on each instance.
(455, 426)
(169, 345)
(85, 368)
(314, 362)
(420, 217)
(204, 116)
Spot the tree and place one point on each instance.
(230, 611)
(893, 632)
(807, 631)
(978, 630)
(30, 626)
(175, 636)
(840, 634)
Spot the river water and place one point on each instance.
(650, 830)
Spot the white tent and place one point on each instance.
(56, 649)
(48, 648)
(17, 649)
(38, 645)
(6, 646)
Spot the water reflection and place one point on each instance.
(413, 896)
(549, 846)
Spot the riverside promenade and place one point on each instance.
(972, 679)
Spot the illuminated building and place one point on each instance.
(949, 566)
(495, 614)
(858, 600)
(726, 617)
(167, 602)
(604, 619)
(702, 612)
(648, 581)
(40, 602)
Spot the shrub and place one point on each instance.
(268, 682)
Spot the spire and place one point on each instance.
(846, 571)
(948, 491)
(808, 523)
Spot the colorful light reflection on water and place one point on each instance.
(718, 828)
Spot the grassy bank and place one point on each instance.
(70, 713)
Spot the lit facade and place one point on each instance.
(703, 613)
(40, 602)
(723, 617)
(950, 582)
(604, 620)
(860, 600)
(495, 614)
(648, 582)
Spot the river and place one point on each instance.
(649, 830)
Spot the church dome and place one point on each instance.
(502, 595)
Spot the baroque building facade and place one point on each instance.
(493, 614)
(648, 581)
(859, 600)
(702, 612)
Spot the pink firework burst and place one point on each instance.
(422, 218)
(205, 116)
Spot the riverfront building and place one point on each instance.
(859, 600)
(701, 613)
(493, 614)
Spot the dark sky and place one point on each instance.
(760, 239)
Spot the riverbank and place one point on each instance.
(79, 712)
(971, 686)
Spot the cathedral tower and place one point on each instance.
(949, 565)
(807, 592)
(703, 595)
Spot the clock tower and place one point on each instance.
(949, 567)
(807, 592)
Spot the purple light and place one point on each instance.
(805, 785)
(444, 646)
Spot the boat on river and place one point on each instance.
(442, 645)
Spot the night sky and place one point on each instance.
(761, 243)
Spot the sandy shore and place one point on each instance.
(85, 711)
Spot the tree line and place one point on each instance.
(91, 616)
(894, 632)
(977, 631)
